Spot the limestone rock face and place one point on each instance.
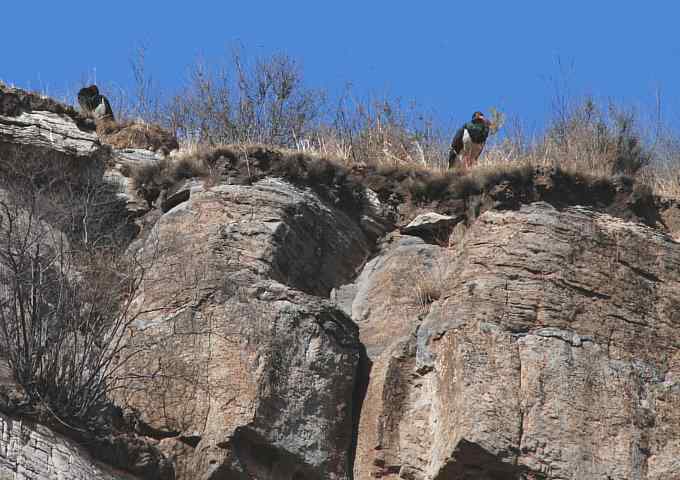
(388, 301)
(249, 375)
(34, 126)
(551, 353)
(33, 452)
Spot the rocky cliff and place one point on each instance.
(551, 353)
(34, 452)
(296, 328)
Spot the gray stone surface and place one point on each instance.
(33, 452)
(119, 172)
(260, 374)
(389, 295)
(32, 127)
(430, 223)
(553, 352)
(49, 131)
(136, 158)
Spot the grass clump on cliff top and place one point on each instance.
(137, 134)
(403, 189)
(265, 101)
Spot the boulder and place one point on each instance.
(432, 226)
(245, 372)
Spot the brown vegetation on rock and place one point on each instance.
(404, 191)
(136, 134)
(14, 101)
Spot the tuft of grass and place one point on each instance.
(663, 181)
(137, 134)
(167, 172)
(428, 286)
(152, 178)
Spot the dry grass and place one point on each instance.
(267, 101)
(664, 181)
(167, 172)
(379, 132)
(586, 140)
(137, 134)
(402, 187)
(428, 288)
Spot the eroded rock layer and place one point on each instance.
(33, 452)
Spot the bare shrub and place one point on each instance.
(67, 289)
(63, 315)
(147, 101)
(380, 132)
(606, 141)
(266, 102)
(586, 139)
(71, 194)
(663, 173)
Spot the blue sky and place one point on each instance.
(452, 57)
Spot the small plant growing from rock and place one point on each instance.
(428, 288)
